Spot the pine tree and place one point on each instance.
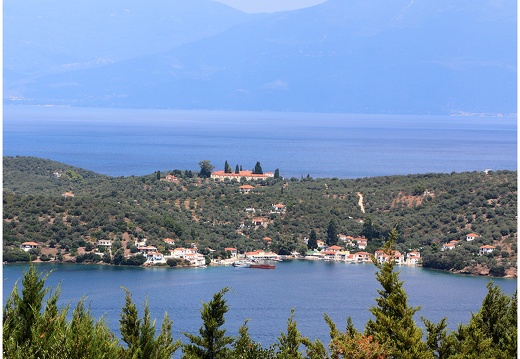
(246, 348)
(289, 343)
(212, 342)
(394, 325)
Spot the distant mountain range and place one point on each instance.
(378, 56)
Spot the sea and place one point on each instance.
(263, 297)
(127, 142)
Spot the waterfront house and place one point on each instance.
(27, 246)
(361, 243)
(196, 259)
(261, 255)
(486, 249)
(383, 257)
(155, 258)
(471, 237)
(233, 251)
(361, 257)
(413, 258)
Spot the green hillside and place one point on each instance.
(429, 210)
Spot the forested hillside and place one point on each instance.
(67, 210)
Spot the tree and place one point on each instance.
(245, 347)
(394, 325)
(237, 170)
(139, 333)
(158, 175)
(227, 167)
(205, 169)
(332, 233)
(277, 173)
(258, 169)
(312, 243)
(212, 342)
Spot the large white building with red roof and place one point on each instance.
(248, 175)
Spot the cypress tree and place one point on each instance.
(312, 243)
(237, 170)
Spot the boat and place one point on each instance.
(242, 264)
(261, 266)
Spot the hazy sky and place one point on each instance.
(252, 6)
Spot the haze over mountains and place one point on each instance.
(379, 56)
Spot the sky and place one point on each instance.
(255, 6)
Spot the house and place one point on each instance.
(27, 246)
(182, 253)
(169, 241)
(267, 240)
(471, 237)
(278, 208)
(248, 175)
(104, 243)
(361, 257)
(258, 221)
(146, 249)
(246, 188)
(67, 194)
(321, 244)
(233, 252)
(334, 248)
(250, 210)
(383, 257)
(486, 249)
(449, 246)
(155, 258)
(170, 178)
(413, 258)
(361, 243)
(196, 259)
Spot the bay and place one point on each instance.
(265, 297)
(124, 142)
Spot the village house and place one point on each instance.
(383, 257)
(361, 243)
(413, 258)
(471, 237)
(146, 249)
(155, 258)
(486, 249)
(321, 244)
(449, 246)
(278, 208)
(248, 175)
(170, 178)
(27, 246)
(169, 241)
(67, 194)
(196, 259)
(267, 240)
(246, 188)
(104, 243)
(261, 255)
(233, 252)
(361, 257)
(258, 221)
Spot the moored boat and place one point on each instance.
(262, 266)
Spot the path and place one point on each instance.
(360, 203)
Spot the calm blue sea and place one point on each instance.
(265, 297)
(123, 142)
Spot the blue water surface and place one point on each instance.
(123, 142)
